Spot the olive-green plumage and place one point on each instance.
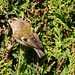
(25, 35)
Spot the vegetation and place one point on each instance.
(54, 22)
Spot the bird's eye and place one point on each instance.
(10, 21)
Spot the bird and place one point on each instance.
(25, 35)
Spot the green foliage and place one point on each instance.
(54, 21)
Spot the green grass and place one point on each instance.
(54, 22)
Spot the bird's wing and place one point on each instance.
(32, 40)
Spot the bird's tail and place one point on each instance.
(39, 52)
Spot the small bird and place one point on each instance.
(25, 35)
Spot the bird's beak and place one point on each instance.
(6, 21)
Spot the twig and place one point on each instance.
(4, 27)
(61, 62)
(37, 65)
(10, 45)
(74, 55)
(7, 53)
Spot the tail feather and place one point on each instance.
(39, 52)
